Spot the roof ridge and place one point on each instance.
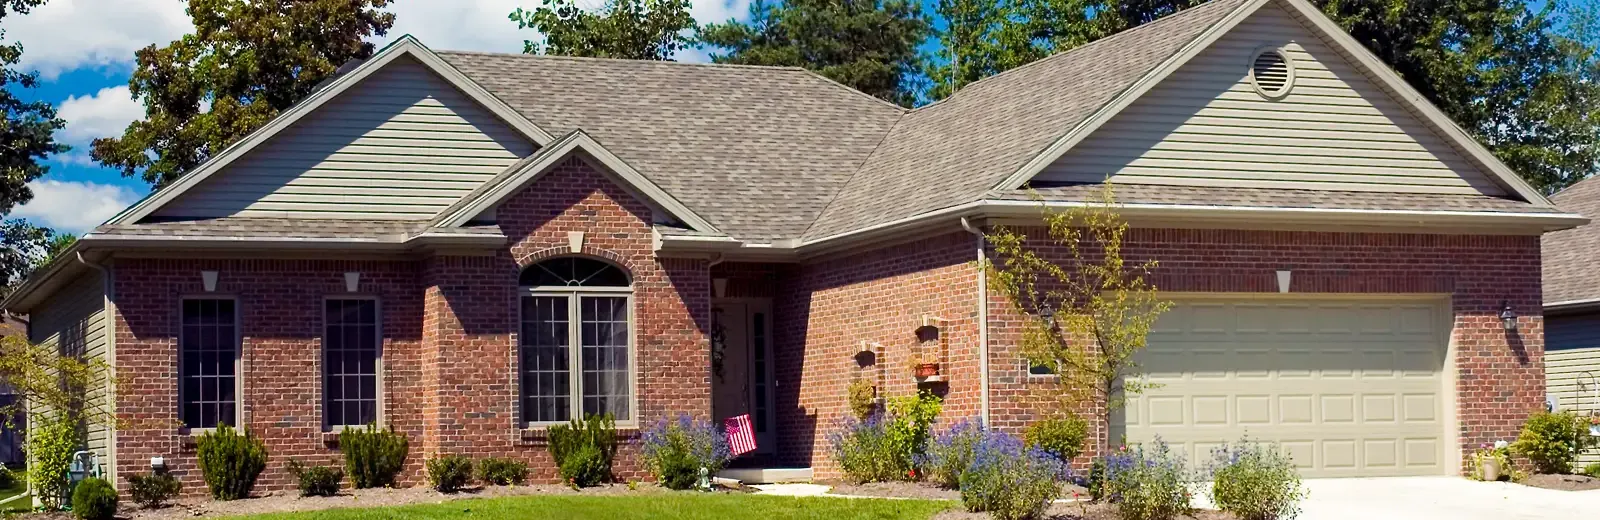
(669, 63)
(854, 173)
(1159, 22)
(819, 75)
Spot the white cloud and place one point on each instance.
(74, 206)
(102, 114)
(719, 11)
(63, 35)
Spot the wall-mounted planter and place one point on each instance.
(927, 370)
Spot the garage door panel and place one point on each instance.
(1347, 388)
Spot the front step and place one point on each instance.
(767, 475)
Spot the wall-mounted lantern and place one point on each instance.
(1508, 318)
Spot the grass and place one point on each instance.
(669, 506)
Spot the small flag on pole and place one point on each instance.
(741, 436)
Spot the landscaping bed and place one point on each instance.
(621, 504)
(1562, 482)
(1077, 511)
(919, 490)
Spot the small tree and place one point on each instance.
(65, 392)
(1087, 311)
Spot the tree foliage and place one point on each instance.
(868, 45)
(247, 61)
(61, 391)
(1085, 308)
(28, 132)
(625, 29)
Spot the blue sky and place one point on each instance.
(83, 51)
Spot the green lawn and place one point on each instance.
(674, 505)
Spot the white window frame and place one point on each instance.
(379, 417)
(574, 295)
(238, 360)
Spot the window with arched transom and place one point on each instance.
(576, 340)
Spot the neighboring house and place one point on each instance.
(469, 247)
(1572, 307)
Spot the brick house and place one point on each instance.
(1572, 308)
(468, 247)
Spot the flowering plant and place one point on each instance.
(1149, 482)
(1009, 479)
(677, 449)
(950, 453)
(1255, 481)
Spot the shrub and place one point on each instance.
(316, 481)
(449, 473)
(862, 396)
(51, 444)
(1010, 480)
(1552, 441)
(153, 491)
(1062, 437)
(675, 450)
(373, 456)
(1592, 470)
(910, 423)
(502, 472)
(230, 461)
(583, 450)
(862, 449)
(1096, 481)
(950, 453)
(1255, 481)
(7, 478)
(94, 500)
(1148, 483)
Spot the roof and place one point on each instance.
(1571, 259)
(990, 128)
(1280, 198)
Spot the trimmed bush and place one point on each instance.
(863, 398)
(449, 473)
(316, 481)
(1552, 441)
(94, 499)
(1148, 483)
(950, 453)
(231, 461)
(1010, 480)
(1062, 437)
(1255, 481)
(373, 456)
(502, 472)
(153, 491)
(584, 450)
(676, 450)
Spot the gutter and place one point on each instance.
(1571, 306)
(983, 323)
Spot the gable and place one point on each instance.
(403, 143)
(1335, 130)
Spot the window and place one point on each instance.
(208, 349)
(576, 340)
(351, 342)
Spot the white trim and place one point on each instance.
(1571, 304)
(405, 46)
(574, 299)
(1497, 170)
(1288, 63)
(1128, 96)
(553, 155)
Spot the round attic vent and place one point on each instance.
(1272, 73)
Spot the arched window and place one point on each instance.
(576, 340)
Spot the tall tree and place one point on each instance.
(28, 132)
(247, 61)
(869, 45)
(625, 29)
(982, 38)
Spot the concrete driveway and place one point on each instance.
(1442, 498)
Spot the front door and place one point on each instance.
(741, 378)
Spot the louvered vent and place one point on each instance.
(1271, 73)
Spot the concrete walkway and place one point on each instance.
(1442, 498)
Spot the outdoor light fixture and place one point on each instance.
(1048, 312)
(1508, 318)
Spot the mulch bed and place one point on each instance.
(920, 490)
(1078, 511)
(1562, 482)
(291, 501)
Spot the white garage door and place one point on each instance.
(1348, 388)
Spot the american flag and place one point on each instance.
(741, 436)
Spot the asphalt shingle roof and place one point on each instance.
(1281, 198)
(1572, 257)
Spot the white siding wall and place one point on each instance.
(1205, 125)
(402, 144)
(1572, 365)
(74, 321)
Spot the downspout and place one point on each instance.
(983, 324)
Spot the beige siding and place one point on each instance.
(1205, 125)
(74, 321)
(1572, 365)
(402, 144)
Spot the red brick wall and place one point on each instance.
(1499, 378)
(827, 307)
(449, 327)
